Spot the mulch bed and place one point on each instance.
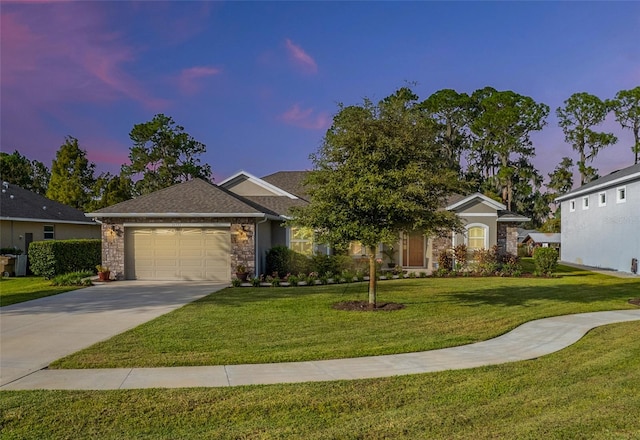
(364, 306)
(635, 301)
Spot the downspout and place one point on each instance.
(256, 254)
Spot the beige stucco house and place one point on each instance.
(26, 217)
(200, 231)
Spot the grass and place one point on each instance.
(244, 325)
(20, 289)
(590, 390)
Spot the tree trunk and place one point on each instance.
(372, 276)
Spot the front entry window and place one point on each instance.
(477, 238)
(301, 240)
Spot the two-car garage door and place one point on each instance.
(181, 253)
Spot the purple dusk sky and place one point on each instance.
(258, 82)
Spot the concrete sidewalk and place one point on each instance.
(529, 341)
(35, 333)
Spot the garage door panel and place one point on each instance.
(178, 254)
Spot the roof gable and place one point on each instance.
(464, 203)
(615, 178)
(243, 176)
(290, 181)
(189, 199)
(17, 203)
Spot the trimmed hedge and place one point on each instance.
(56, 257)
(546, 260)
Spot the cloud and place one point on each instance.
(188, 81)
(305, 118)
(300, 57)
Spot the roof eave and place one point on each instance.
(258, 181)
(179, 215)
(48, 220)
(578, 191)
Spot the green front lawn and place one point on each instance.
(246, 325)
(20, 289)
(590, 390)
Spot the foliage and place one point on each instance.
(80, 278)
(551, 225)
(236, 282)
(281, 260)
(626, 107)
(561, 179)
(445, 261)
(109, 190)
(163, 155)
(54, 257)
(546, 260)
(18, 170)
(10, 251)
(582, 112)
(379, 171)
(72, 176)
(510, 265)
(486, 261)
(460, 254)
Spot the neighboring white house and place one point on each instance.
(601, 222)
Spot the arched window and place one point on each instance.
(477, 237)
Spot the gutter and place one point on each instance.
(181, 215)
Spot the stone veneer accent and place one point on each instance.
(242, 250)
(508, 238)
(439, 245)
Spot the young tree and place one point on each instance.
(561, 179)
(501, 126)
(109, 190)
(450, 110)
(163, 154)
(582, 112)
(72, 176)
(626, 107)
(379, 171)
(28, 174)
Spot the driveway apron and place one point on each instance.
(35, 333)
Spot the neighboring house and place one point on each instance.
(26, 217)
(542, 239)
(601, 221)
(200, 231)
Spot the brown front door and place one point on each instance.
(413, 252)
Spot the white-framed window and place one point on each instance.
(602, 199)
(301, 240)
(585, 202)
(621, 194)
(49, 232)
(572, 205)
(477, 237)
(357, 249)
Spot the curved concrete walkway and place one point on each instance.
(529, 341)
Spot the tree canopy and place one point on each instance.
(379, 171)
(626, 107)
(163, 155)
(72, 176)
(28, 174)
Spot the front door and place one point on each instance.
(413, 249)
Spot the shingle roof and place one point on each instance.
(290, 181)
(19, 203)
(544, 237)
(617, 177)
(510, 216)
(278, 204)
(193, 197)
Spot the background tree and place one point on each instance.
(501, 126)
(379, 171)
(582, 112)
(109, 190)
(72, 176)
(561, 179)
(626, 107)
(28, 174)
(450, 110)
(163, 155)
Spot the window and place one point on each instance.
(602, 199)
(477, 238)
(357, 249)
(621, 194)
(585, 202)
(49, 233)
(572, 205)
(301, 240)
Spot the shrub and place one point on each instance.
(282, 260)
(236, 282)
(80, 278)
(55, 257)
(486, 260)
(460, 253)
(10, 251)
(546, 260)
(445, 261)
(511, 265)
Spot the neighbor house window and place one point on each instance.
(572, 205)
(301, 240)
(476, 238)
(49, 233)
(602, 199)
(621, 194)
(585, 202)
(357, 249)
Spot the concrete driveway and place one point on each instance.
(35, 333)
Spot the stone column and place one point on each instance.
(113, 249)
(243, 245)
